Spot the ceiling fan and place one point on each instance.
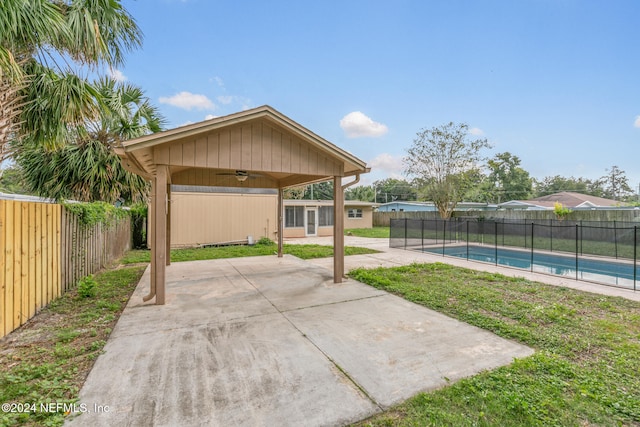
(241, 175)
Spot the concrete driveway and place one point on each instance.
(270, 341)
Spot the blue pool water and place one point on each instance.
(606, 272)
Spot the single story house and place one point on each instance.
(430, 207)
(304, 218)
(567, 199)
(218, 215)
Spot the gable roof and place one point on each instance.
(568, 199)
(260, 140)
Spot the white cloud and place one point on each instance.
(225, 99)
(356, 125)
(385, 162)
(117, 75)
(210, 116)
(636, 123)
(188, 101)
(476, 131)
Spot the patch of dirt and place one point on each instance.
(37, 331)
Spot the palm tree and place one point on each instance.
(86, 168)
(41, 43)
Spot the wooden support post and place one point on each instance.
(160, 241)
(280, 220)
(338, 230)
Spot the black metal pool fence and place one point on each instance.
(585, 241)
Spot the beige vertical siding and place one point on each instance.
(258, 145)
(211, 218)
(204, 218)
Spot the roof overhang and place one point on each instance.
(317, 159)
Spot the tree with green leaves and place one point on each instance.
(442, 160)
(616, 184)
(11, 181)
(557, 184)
(319, 191)
(391, 189)
(43, 45)
(510, 181)
(294, 193)
(86, 168)
(479, 188)
(363, 193)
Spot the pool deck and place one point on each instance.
(392, 257)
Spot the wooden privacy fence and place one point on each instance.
(382, 219)
(85, 250)
(44, 251)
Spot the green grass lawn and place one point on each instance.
(377, 232)
(47, 359)
(585, 372)
(193, 254)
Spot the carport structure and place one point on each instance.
(257, 148)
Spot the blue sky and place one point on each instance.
(554, 82)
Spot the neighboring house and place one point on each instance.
(430, 207)
(567, 199)
(407, 207)
(218, 215)
(303, 218)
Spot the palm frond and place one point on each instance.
(26, 25)
(54, 103)
(101, 30)
(86, 168)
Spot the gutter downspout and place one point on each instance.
(354, 182)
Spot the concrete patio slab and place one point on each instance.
(394, 349)
(300, 284)
(257, 371)
(273, 341)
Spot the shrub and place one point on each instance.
(265, 241)
(560, 211)
(87, 287)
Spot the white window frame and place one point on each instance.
(355, 213)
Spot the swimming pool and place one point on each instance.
(593, 270)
